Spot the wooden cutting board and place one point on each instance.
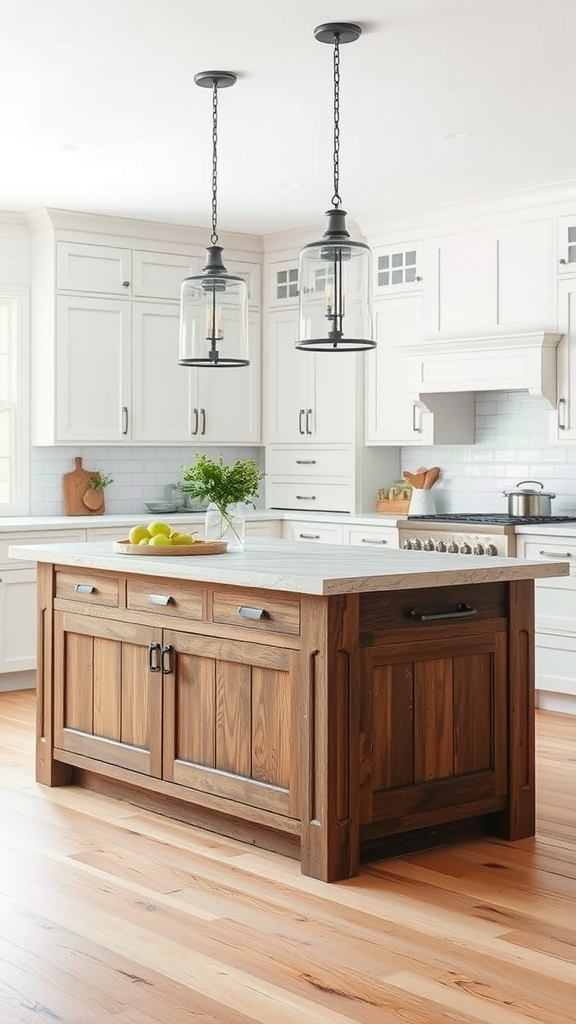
(77, 491)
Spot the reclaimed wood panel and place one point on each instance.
(107, 688)
(433, 719)
(195, 710)
(271, 735)
(393, 726)
(78, 682)
(233, 717)
(474, 722)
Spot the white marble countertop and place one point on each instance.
(300, 568)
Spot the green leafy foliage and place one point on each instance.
(98, 482)
(211, 480)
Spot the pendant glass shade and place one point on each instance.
(335, 285)
(214, 316)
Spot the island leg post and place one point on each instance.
(48, 771)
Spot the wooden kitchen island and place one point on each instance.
(328, 703)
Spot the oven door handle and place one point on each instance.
(463, 611)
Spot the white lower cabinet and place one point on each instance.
(17, 620)
(372, 536)
(311, 531)
(555, 603)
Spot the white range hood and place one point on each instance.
(511, 362)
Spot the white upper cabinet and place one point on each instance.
(283, 284)
(310, 395)
(394, 416)
(493, 281)
(251, 273)
(100, 269)
(567, 245)
(397, 269)
(226, 402)
(563, 418)
(159, 275)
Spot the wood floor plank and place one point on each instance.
(114, 915)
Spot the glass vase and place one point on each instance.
(225, 524)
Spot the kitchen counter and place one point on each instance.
(330, 704)
(310, 569)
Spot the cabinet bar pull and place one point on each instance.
(153, 659)
(561, 414)
(305, 462)
(203, 429)
(370, 540)
(166, 659)
(306, 497)
(163, 599)
(300, 427)
(416, 422)
(195, 427)
(84, 588)
(124, 419)
(252, 613)
(308, 415)
(556, 554)
(309, 536)
(463, 611)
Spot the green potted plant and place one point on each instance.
(94, 497)
(227, 489)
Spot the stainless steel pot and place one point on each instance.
(529, 502)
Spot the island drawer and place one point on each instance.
(88, 587)
(435, 606)
(257, 611)
(165, 597)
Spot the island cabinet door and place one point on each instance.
(229, 721)
(108, 691)
(434, 719)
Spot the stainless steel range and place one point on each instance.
(469, 533)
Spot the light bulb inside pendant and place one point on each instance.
(335, 273)
(214, 303)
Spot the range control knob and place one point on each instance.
(452, 548)
(428, 544)
(491, 550)
(478, 549)
(416, 544)
(407, 545)
(465, 549)
(440, 546)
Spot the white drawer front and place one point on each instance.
(35, 537)
(552, 550)
(311, 496)
(299, 463)
(376, 536)
(556, 663)
(319, 533)
(556, 605)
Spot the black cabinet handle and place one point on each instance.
(166, 659)
(124, 419)
(203, 430)
(300, 427)
(463, 611)
(153, 657)
(308, 415)
(195, 427)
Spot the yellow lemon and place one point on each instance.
(138, 533)
(145, 540)
(159, 539)
(155, 528)
(182, 538)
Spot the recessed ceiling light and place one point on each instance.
(74, 147)
(457, 135)
(291, 184)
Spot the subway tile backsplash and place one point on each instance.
(139, 474)
(512, 444)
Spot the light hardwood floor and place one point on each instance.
(113, 915)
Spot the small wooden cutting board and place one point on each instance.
(76, 487)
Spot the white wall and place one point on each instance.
(512, 444)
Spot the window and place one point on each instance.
(14, 401)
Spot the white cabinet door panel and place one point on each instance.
(162, 389)
(18, 620)
(159, 275)
(93, 369)
(101, 269)
(228, 400)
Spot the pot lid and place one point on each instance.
(530, 490)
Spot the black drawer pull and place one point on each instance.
(84, 588)
(463, 611)
(153, 657)
(162, 599)
(252, 613)
(305, 462)
(306, 497)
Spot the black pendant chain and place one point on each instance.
(336, 200)
(214, 237)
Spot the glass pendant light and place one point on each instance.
(214, 303)
(335, 274)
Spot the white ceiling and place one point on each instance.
(115, 78)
